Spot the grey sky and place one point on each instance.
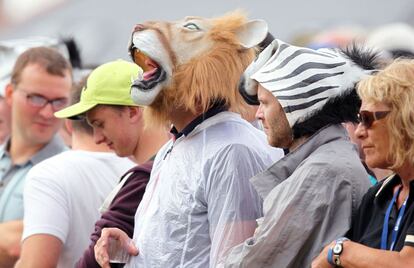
(102, 27)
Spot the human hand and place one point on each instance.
(322, 260)
(102, 246)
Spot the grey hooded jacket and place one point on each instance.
(309, 198)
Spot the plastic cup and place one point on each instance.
(117, 251)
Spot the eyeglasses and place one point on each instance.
(39, 101)
(366, 118)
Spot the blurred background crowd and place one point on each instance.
(101, 28)
(92, 32)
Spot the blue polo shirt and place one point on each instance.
(12, 178)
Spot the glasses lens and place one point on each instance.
(36, 100)
(59, 104)
(365, 118)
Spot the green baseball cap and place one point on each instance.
(109, 84)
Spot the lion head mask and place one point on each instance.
(191, 63)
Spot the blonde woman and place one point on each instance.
(382, 232)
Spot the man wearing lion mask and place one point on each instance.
(199, 202)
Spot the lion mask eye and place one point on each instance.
(192, 26)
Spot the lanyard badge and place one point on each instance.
(384, 236)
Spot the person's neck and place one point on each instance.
(150, 141)
(406, 173)
(380, 173)
(297, 142)
(182, 119)
(21, 150)
(85, 142)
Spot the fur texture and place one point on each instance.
(343, 108)
(208, 77)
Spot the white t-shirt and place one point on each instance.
(63, 194)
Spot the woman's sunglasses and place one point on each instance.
(366, 118)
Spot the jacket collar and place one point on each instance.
(281, 170)
(386, 192)
(218, 107)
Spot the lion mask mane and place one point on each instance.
(191, 63)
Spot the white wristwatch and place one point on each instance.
(337, 249)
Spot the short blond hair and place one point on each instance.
(394, 86)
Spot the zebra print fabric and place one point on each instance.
(302, 79)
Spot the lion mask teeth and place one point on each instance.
(179, 56)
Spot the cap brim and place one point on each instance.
(75, 110)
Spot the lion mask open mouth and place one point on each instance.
(185, 56)
(153, 72)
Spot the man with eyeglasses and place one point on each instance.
(40, 84)
(73, 185)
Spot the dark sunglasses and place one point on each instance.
(366, 118)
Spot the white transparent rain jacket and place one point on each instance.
(199, 202)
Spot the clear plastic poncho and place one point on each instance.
(199, 202)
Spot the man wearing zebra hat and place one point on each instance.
(311, 193)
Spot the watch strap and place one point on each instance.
(330, 256)
(336, 256)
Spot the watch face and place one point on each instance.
(337, 249)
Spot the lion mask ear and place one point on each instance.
(252, 33)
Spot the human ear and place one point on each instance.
(68, 125)
(9, 93)
(135, 113)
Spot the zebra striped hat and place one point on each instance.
(302, 79)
